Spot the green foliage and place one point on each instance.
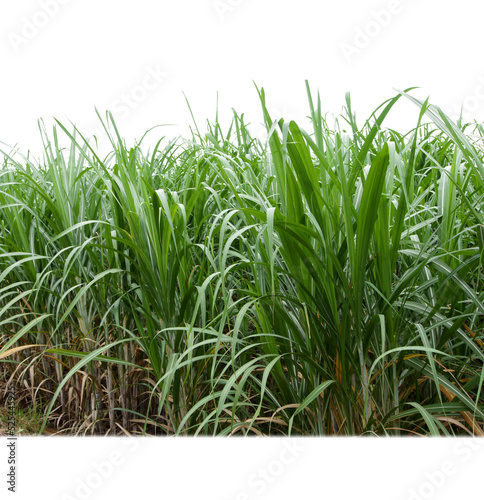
(325, 282)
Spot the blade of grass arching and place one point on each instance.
(454, 330)
(416, 348)
(81, 355)
(81, 150)
(452, 130)
(175, 363)
(250, 365)
(265, 376)
(207, 399)
(453, 274)
(87, 359)
(291, 339)
(360, 159)
(74, 227)
(81, 293)
(14, 350)
(315, 393)
(328, 175)
(18, 264)
(433, 423)
(13, 301)
(448, 408)
(268, 343)
(23, 331)
(452, 388)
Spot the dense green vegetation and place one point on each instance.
(327, 282)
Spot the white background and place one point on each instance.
(65, 58)
(249, 469)
(62, 59)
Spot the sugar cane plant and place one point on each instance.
(323, 282)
